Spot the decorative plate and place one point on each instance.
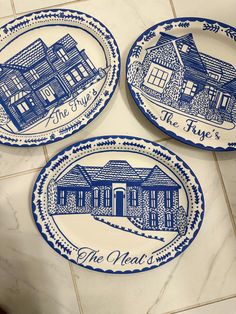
(181, 73)
(118, 204)
(58, 70)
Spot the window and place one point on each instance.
(23, 107)
(76, 75)
(83, 70)
(5, 89)
(189, 88)
(62, 197)
(107, 197)
(158, 77)
(61, 53)
(69, 79)
(133, 197)
(153, 199)
(17, 82)
(34, 74)
(169, 220)
(215, 76)
(224, 101)
(185, 48)
(80, 201)
(153, 219)
(168, 199)
(211, 92)
(96, 197)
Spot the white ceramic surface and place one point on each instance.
(169, 289)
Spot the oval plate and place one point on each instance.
(181, 73)
(58, 70)
(118, 204)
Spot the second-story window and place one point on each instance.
(83, 70)
(34, 74)
(17, 82)
(76, 75)
(62, 54)
(5, 89)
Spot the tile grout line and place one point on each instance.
(48, 7)
(13, 8)
(45, 151)
(164, 139)
(202, 304)
(173, 8)
(17, 174)
(76, 289)
(225, 193)
(7, 16)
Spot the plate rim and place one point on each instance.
(147, 116)
(58, 138)
(92, 139)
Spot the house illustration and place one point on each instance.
(39, 78)
(148, 197)
(176, 74)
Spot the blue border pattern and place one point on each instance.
(183, 23)
(105, 37)
(133, 144)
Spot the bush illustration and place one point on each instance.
(200, 103)
(4, 119)
(171, 93)
(135, 74)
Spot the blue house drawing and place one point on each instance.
(176, 74)
(39, 78)
(148, 197)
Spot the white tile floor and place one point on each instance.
(34, 279)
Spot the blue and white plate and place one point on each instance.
(181, 73)
(118, 204)
(58, 70)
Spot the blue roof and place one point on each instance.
(116, 171)
(29, 55)
(158, 178)
(76, 177)
(198, 61)
(38, 50)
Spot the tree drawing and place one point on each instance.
(172, 91)
(135, 74)
(4, 119)
(200, 104)
(52, 190)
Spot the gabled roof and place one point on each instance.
(67, 42)
(29, 55)
(76, 177)
(158, 178)
(227, 70)
(92, 171)
(143, 172)
(117, 170)
(191, 59)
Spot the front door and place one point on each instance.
(48, 94)
(120, 203)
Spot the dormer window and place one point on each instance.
(62, 54)
(215, 76)
(34, 74)
(185, 48)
